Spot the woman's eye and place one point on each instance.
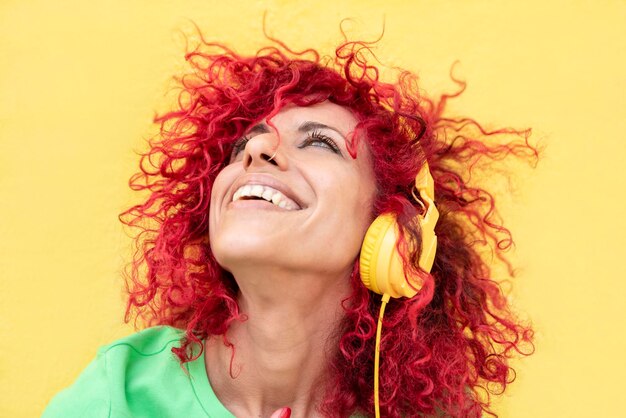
(238, 146)
(317, 139)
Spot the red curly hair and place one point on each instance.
(445, 350)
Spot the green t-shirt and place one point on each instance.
(139, 376)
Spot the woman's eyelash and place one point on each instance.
(317, 136)
(239, 145)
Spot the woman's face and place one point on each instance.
(301, 205)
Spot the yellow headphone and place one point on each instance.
(380, 263)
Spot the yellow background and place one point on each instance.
(80, 80)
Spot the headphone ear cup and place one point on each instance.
(370, 251)
(381, 266)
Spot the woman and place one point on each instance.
(262, 185)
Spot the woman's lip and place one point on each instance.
(257, 204)
(264, 180)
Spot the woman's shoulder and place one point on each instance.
(126, 375)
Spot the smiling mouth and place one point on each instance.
(266, 193)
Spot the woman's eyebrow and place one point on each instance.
(306, 126)
(311, 126)
(261, 128)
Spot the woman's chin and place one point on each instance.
(246, 250)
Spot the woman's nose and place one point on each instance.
(262, 150)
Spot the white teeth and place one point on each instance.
(266, 193)
(257, 191)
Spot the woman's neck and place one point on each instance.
(281, 351)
